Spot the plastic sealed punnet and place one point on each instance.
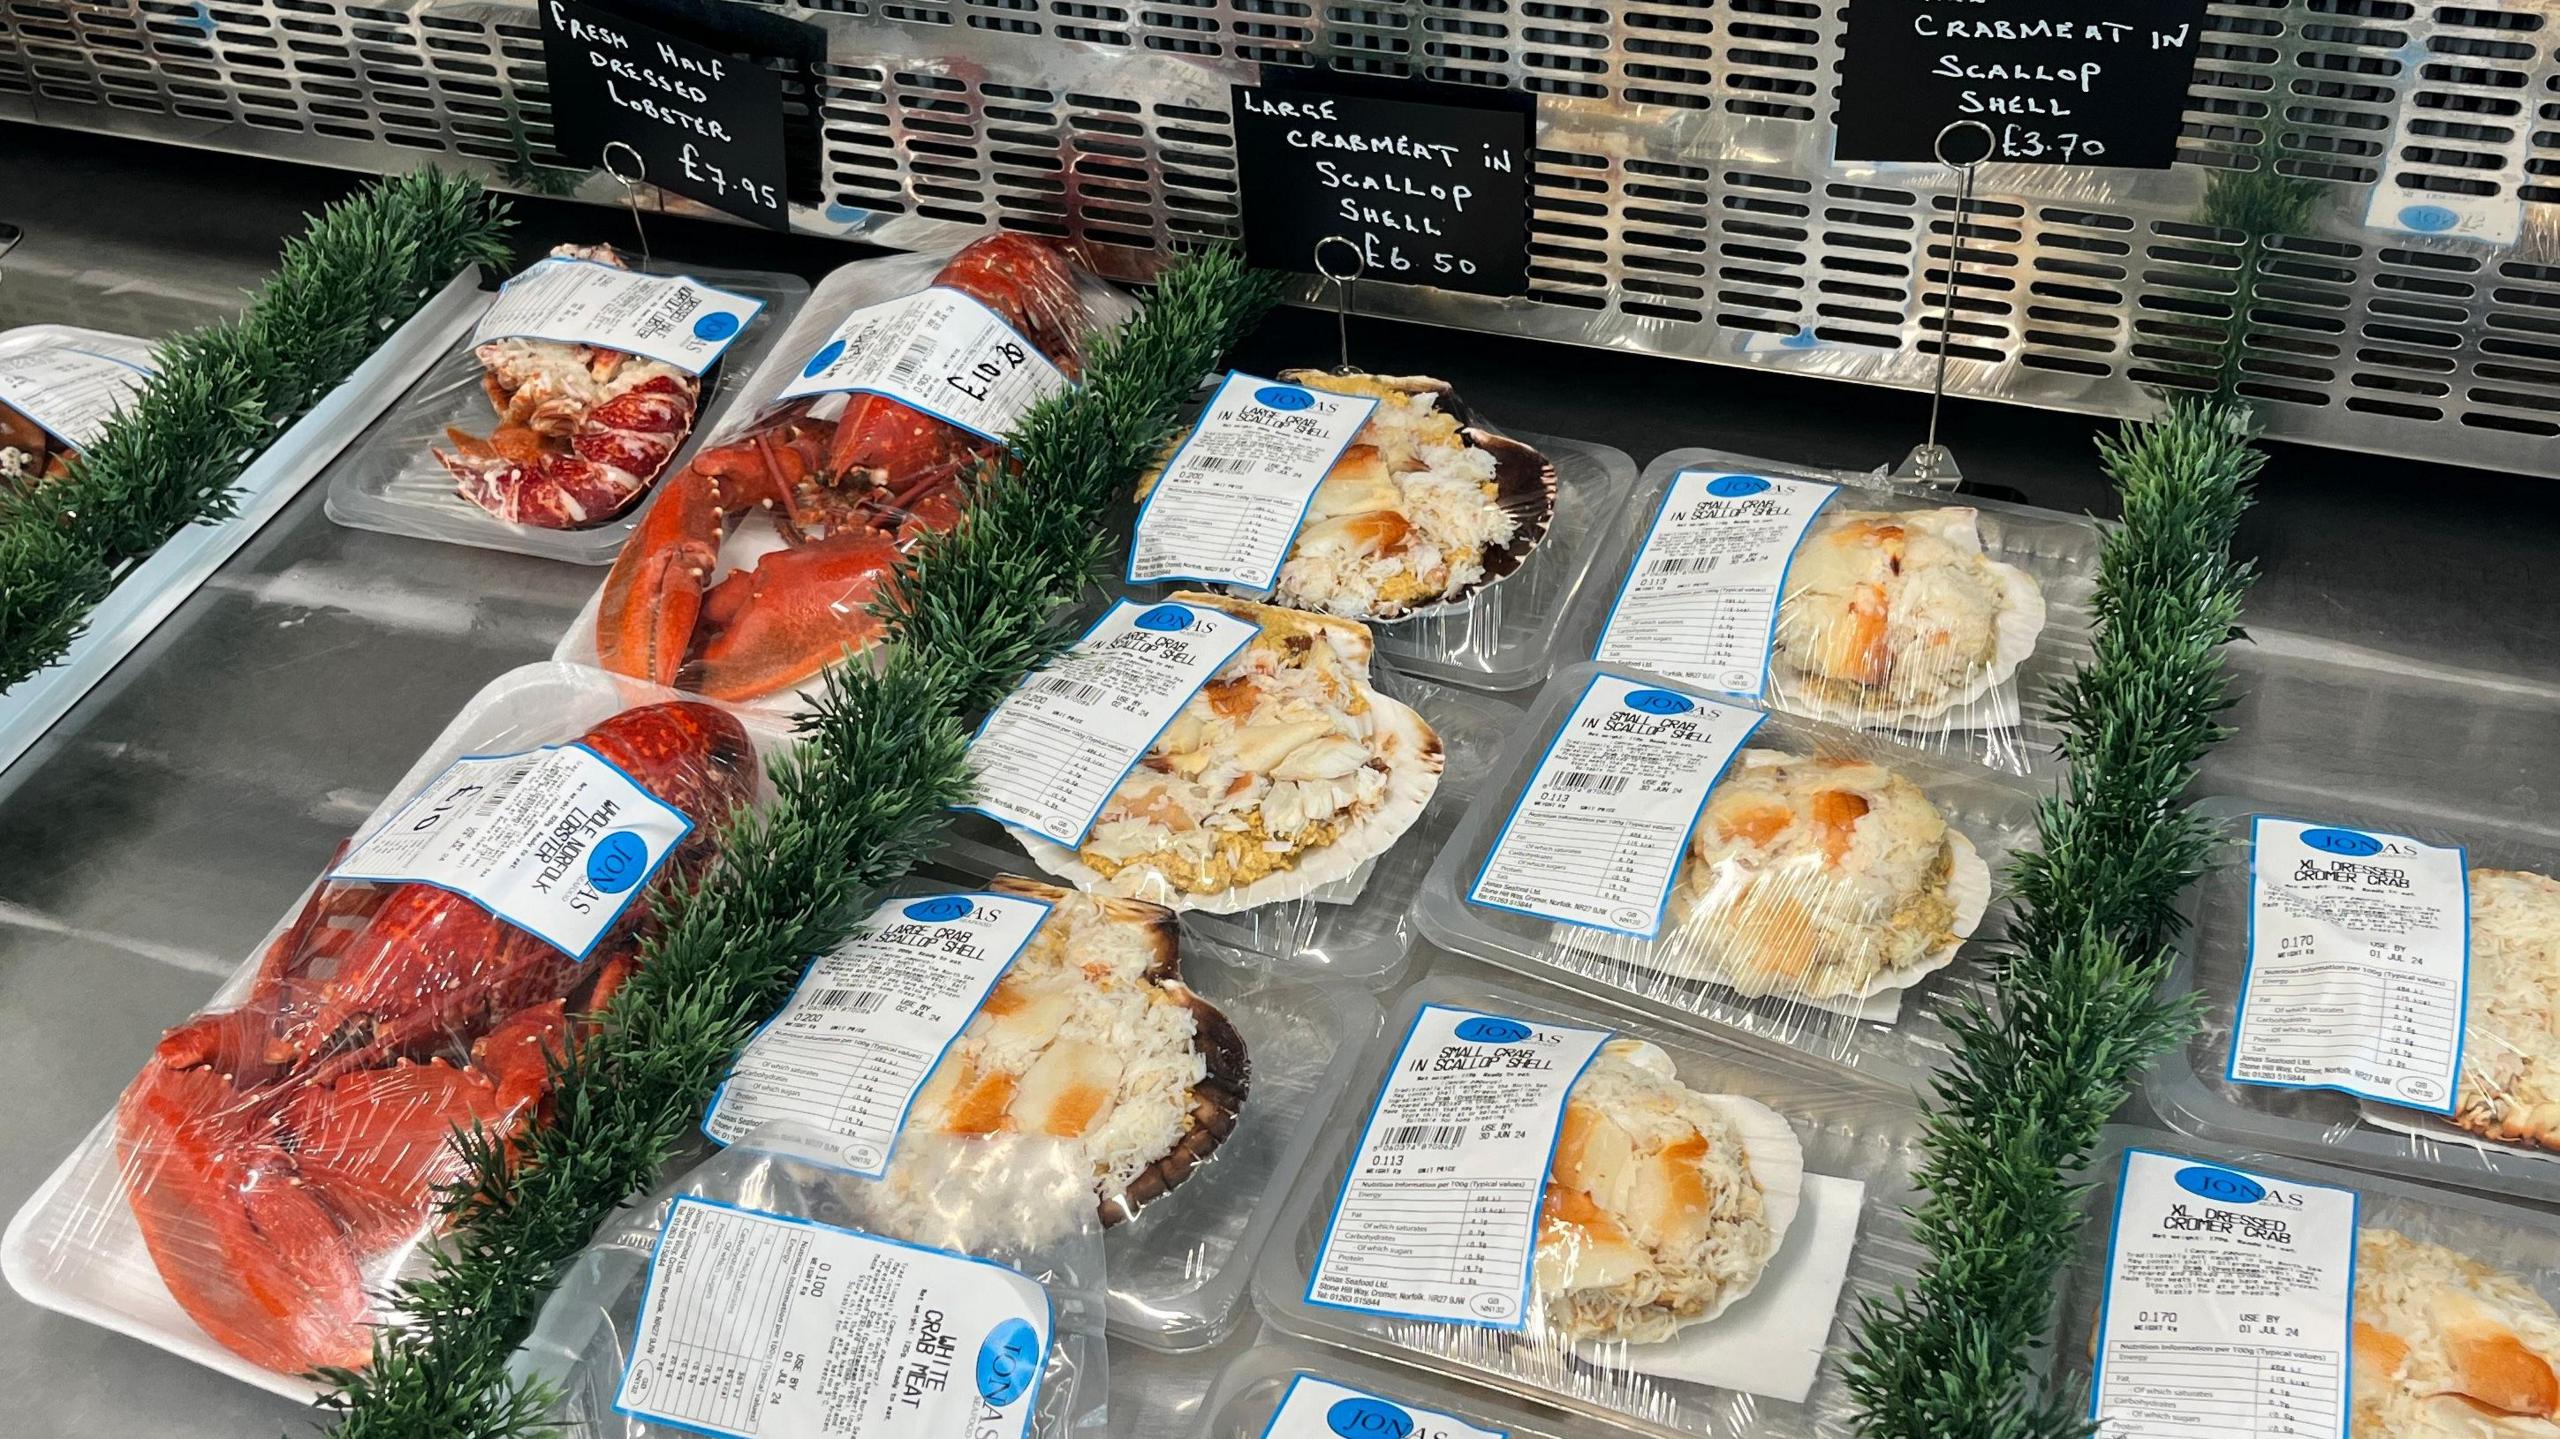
(1941, 621)
(584, 435)
(1459, 545)
(2503, 1058)
(59, 386)
(1314, 1388)
(274, 1164)
(754, 566)
(2449, 1321)
(958, 1296)
(1668, 1232)
(1700, 859)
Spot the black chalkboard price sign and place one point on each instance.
(705, 118)
(1428, 182)
(2057, 82)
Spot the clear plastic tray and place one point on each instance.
(75, 1247)
(2189, 1088)
(389, 480)
(1364, 940)
(1850, 1128)
(1996, 812)
(2060, 551)
(1249, 1391)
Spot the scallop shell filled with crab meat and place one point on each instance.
(1894, 618)
(1285, 772)
(1091, 1036)
(1822, 877)
(1663, 1205)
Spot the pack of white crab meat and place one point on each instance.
(1186, 1086)
(583, 383)
(772, 1294)
(1288, 1390)
(1668, 1232)
(2380, 982)
(1941, 622)
(1388, 501)
(2224, 1289)
(754, 565)
(1705, 859)
(276, 1161)
(1245, 765)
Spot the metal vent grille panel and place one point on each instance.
(1684, 201)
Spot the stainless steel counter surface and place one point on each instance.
(2403, 644)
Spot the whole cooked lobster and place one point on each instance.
(276, 1152)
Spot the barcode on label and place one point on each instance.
(1422, 1136)
(857, 1001)
(911, 363)
(1223, 464)
(1077, 690)
(1684, 565)
(1588, 782)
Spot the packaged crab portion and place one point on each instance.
(1188, 1085)
(1656, 1230)
(2376, 981)
(2228, 1290)
(582, 383)
(1944, 623)
(1382, 499)
(59, 386)
(754, 566)
(1285, 1390)
(770, 1294)
(1705, 859)
(277, 1158)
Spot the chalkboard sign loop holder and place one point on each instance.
(1931, 463)
(631, 184)
(1342, 283)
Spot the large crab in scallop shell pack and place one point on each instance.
(845, 495)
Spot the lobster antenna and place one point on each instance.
(1931, 463)
(630, 189)
(1342, 283)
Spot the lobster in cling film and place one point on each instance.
(847, 495)
(281, 1153)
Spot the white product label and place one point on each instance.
(556, 841)
(1321, 1409)
(1597, 835)
(671, 318)
(1700, 603)
(2227, 1306)
(771, 1328)
(940, 351)
(872, 1019)
(1438, 1217)
(1053, 751)
(71, 391)
(2359, 964)
(1231, 500)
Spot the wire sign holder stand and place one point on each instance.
(1929, 462)
(1342, 283)
(631, 184)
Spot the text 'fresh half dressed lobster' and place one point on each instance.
(282, 1155)
(845, 494)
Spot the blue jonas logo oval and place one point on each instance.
(1660, 702)
(2432, 219)
(1734, 487)
(718, 325)
(617, 862)
(1008, 1360)
(1486, 1029)
(1283, 397)
(2222, 1185)
(1165, 618)
(2342, 841)
(828, 354)
(941, 909)
(1368, 1419)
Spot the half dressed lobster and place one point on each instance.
(279, 1154)
(845, 494)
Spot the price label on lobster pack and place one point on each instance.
(670, 318)
(762, 1327)
(941, 351)
(2359, 964)
(2227, 1304)
(1598, 834)
(1438, 1217)
(557, 842)
(1315, 1408)
(872, 1020)
(1230, 501)
(1054, 750)
(1700, 603)
(72, 391)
